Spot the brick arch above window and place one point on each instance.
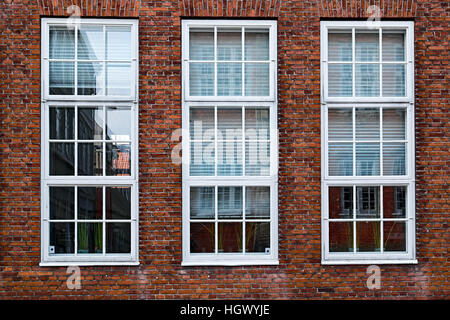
(361, 8)
(90, 8)
(230, 8)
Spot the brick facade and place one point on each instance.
(300, 274)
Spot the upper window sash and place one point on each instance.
(360, 64)
(218, 58)
(109, 63)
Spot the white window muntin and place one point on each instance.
(406, 26)
(381, 103)
(382, 257)
(241, 181)
(75, 101)
(409, 140)
(230, 259)
(271, 26)
(238, 181)
(45, 147)
(45, 60)
(89, 259)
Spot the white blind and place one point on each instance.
(340, 124)
(367, 159)
(394, 124)
(229, 44)
(230, 141)
(256, 44)
(340, 46)
(394, 159)
(367, 124)
(367, 46)
(228, 62)
(340, 159)
(61, 43)
(393, 46)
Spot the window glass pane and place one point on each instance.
(229, 44)
(340, 124)
(257, 158)
(229, 124)
(367, 45)
(394, 159)
(367, 80)
(90, 43)
(340, 201)
(340, 46)
(394, 124)
(118, 237)
(340, 157)
(90, 123)
(340, 80)
(118, 159)
(367, 159)
(90, 78)
(256, 44)
(229, 202)
(62, 159)
(229, 158)
(394, 80)
(201, 44)
(202, 203)
(257, 125)
(118, 203)
(229, 79)
(118, 124)
(201, 79)
(368, 236)
(90, 159)
(62, 78)
(257, 237)
(90, 237)
(341, 236)
(201, 123)
(367, 202)
(62, 42)
(393, 45)
(62, 123)
(257, 79)
(202, 236)
(367, 124)
(62, 203)
(62, 237)
(230, 237)
(394, 202)
(257, 202)
(118, 42)
(90, 203)
(118, 79)
(394, 235)
(202, 159)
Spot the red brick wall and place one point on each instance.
(300, 274)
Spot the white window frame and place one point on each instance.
(408, 26)
(45, 59)
(408, 180)
(266, 24)
(84, 181)
(229, 259)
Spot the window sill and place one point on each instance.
(230, 263)
(365, 262)
(88, 263)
